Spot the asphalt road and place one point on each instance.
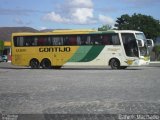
(135, 90)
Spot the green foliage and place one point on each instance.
(105, 28)
(1, 45)
(147, 24)
(156, 49)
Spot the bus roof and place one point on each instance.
(72, 32)
(56, 32)
(127, 31)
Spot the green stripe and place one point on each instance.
(80, 53)
(93, 53)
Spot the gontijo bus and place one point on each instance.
(116, 48)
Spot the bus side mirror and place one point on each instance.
(150, 43)
(140, 43)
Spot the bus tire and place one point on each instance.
(46, 63)
(114, 63)
(123, 67)
(56, 67)
(34, 63)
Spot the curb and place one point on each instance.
(155, 63)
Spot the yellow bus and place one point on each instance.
(116, 48)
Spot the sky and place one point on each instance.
(71, 14)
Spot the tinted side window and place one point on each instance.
(30, 41)
(83, 40)
(72, 40)
(127, 37)
(57, 40)
(110, 39)
(18, 41)
(96, 39)
(105, 39)
(115, 39)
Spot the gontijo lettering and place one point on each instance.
(55, 49)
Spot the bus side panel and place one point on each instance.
(98, 56)
(58, 55)
(23, 55)
(63, 54)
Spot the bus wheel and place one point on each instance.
(114, 63)
(34, 63)
(46, 63)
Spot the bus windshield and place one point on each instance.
(140, 36)
(131, 47)
(143, 50)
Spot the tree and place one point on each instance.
(147, 24)
(156, 50)
(105, 28)
(1, 47)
